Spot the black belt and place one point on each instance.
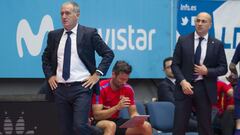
(197, 81)
(70, 84)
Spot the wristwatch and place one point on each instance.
(98, 73)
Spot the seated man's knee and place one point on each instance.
(110, 128)
(111, 125)
(147, 126)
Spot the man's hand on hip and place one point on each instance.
(91, 81)
(52, 81)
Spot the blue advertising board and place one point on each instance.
(140, 32)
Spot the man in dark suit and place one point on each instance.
(167, 85)
(70, 68)
(166, 90)
(197, 62)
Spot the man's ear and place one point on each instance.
(210, 26)
(78, 15)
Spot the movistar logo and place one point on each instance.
(16, 128)
(33, 42)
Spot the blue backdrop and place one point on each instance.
(140, 32)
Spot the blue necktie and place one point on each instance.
(197, 55)
(67, 57)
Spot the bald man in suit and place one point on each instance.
(197, 62)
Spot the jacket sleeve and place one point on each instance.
(104, 51)
(46, 58)
(177, 61)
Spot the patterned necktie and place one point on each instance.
(197, 55)
(67, 57)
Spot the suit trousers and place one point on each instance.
(73, 104)
(200, 101)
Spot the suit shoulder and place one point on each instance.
(162, 82)
(216, 40)
(56, 31)
(186, 37)
(87, 29)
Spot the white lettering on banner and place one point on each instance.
(119, 39)
(193, 20)
(33, 42)
(187, 7)
(125, 37)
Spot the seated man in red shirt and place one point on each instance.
(224, 119)
(116, 94)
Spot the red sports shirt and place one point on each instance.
(110, 98)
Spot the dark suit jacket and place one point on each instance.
(88, 42)
(183, 64)
(165, 90)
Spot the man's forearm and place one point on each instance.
(105, 114)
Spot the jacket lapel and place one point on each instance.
(210, 47)
(57, 41)
(171, 84)
(79, 37)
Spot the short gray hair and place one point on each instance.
(76, 7)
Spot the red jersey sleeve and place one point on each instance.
(96, 99)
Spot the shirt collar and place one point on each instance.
(173, 80)
(196, 36)
(74, 30)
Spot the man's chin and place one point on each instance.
(66, 26)
(120, 86)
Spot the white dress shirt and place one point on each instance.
(78, 71)
(203, 49)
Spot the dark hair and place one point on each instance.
(165, 60)
(122, 67)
